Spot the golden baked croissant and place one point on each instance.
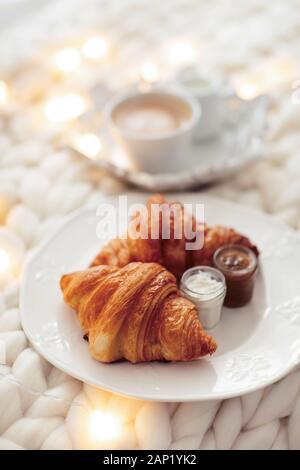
(171, 252)
(136, 313)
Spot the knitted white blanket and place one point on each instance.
(41, 407)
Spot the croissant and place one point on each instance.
(170, 252)
(136, 313)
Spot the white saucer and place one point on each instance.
(258, 344)
(239, 143)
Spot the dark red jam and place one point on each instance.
(239, 266)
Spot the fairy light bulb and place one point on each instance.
(150, 72)
(247, 90)
(89, 144)
(104, 426)
(95, 48)
(12, 252)
(64, 108)
(181, 52)
(67, 60)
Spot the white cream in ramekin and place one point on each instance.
(206, 288)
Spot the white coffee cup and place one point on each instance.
(154, 128)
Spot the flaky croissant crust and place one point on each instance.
(172, 252)
(135, 313)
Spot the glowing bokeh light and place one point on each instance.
(95, 48)
(104, 426)
(181, 52)
(67, 60)
(277, 72)
(247, 90)
(89, 144)
(64, 107)
(150, 72)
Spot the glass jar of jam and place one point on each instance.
(239, 265)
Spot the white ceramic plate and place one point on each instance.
(258, 344)
(239, 142)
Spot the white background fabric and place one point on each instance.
(41, 407)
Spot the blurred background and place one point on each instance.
(51, 48)
(223, 34)
(60, 61)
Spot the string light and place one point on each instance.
(122, 159)
(3, 93)
(150, 72)
(67, 60)
(64, 108)
(265, 77)
(104, 426)
(181, 52)
(89, 144)
(247, 90)
(95, 48)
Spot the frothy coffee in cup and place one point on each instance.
(152, 115)
(154, 129)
